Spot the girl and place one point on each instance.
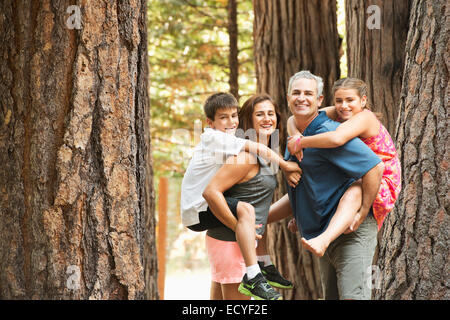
(351, 109)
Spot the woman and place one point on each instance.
(249, 179)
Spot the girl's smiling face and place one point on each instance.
(348, 103)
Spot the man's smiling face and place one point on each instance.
(303, 100)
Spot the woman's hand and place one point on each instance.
(293, 178)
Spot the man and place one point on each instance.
(327, 174)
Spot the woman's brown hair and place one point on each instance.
(246, 115)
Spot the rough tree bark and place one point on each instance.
(376, 36)
(413, 257)
(290, 36)
(233, 60)
(76, 194)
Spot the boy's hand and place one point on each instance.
(292, 226)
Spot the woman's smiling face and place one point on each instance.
(264, 118)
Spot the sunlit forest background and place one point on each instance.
(189, 52)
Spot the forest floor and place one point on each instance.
(187, 275)
(188, 285)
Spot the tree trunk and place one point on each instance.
(376, 51)
(413, 259)
(76, 192)
(290, 36)
(233, 61)
(294, 35)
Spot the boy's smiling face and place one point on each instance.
(225, 120)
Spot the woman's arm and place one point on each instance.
(232, 172)
(280, 210)
(359, 124)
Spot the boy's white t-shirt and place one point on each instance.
(209, 155)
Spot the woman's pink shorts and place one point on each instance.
(226, 261)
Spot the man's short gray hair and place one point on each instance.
(305, 74)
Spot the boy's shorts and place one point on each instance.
(208, 220)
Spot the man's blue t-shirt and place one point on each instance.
(327, 173)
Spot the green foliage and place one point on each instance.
(188, 55)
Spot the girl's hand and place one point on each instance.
(299, 155)
(294, 146)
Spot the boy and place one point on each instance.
(217, 142)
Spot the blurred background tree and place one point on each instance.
(196, 48)
(189, 53)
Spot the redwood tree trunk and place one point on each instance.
(233, 60)
(76, 196)
(413, 257)
(290, 36)
(376, 40)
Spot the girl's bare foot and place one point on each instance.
(316, 245)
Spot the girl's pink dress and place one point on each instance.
(383, 146)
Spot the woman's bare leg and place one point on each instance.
(216, 291)
(230, 292)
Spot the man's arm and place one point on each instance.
(370, 186)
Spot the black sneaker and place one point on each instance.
(258, 288)
(273, 276)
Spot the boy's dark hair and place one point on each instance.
(218, 101)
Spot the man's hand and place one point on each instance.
(292, 226)
(357, 220)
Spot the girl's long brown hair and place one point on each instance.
(358, 85)
(246, 113)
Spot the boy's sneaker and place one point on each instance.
(273, 276)
(258, 288)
